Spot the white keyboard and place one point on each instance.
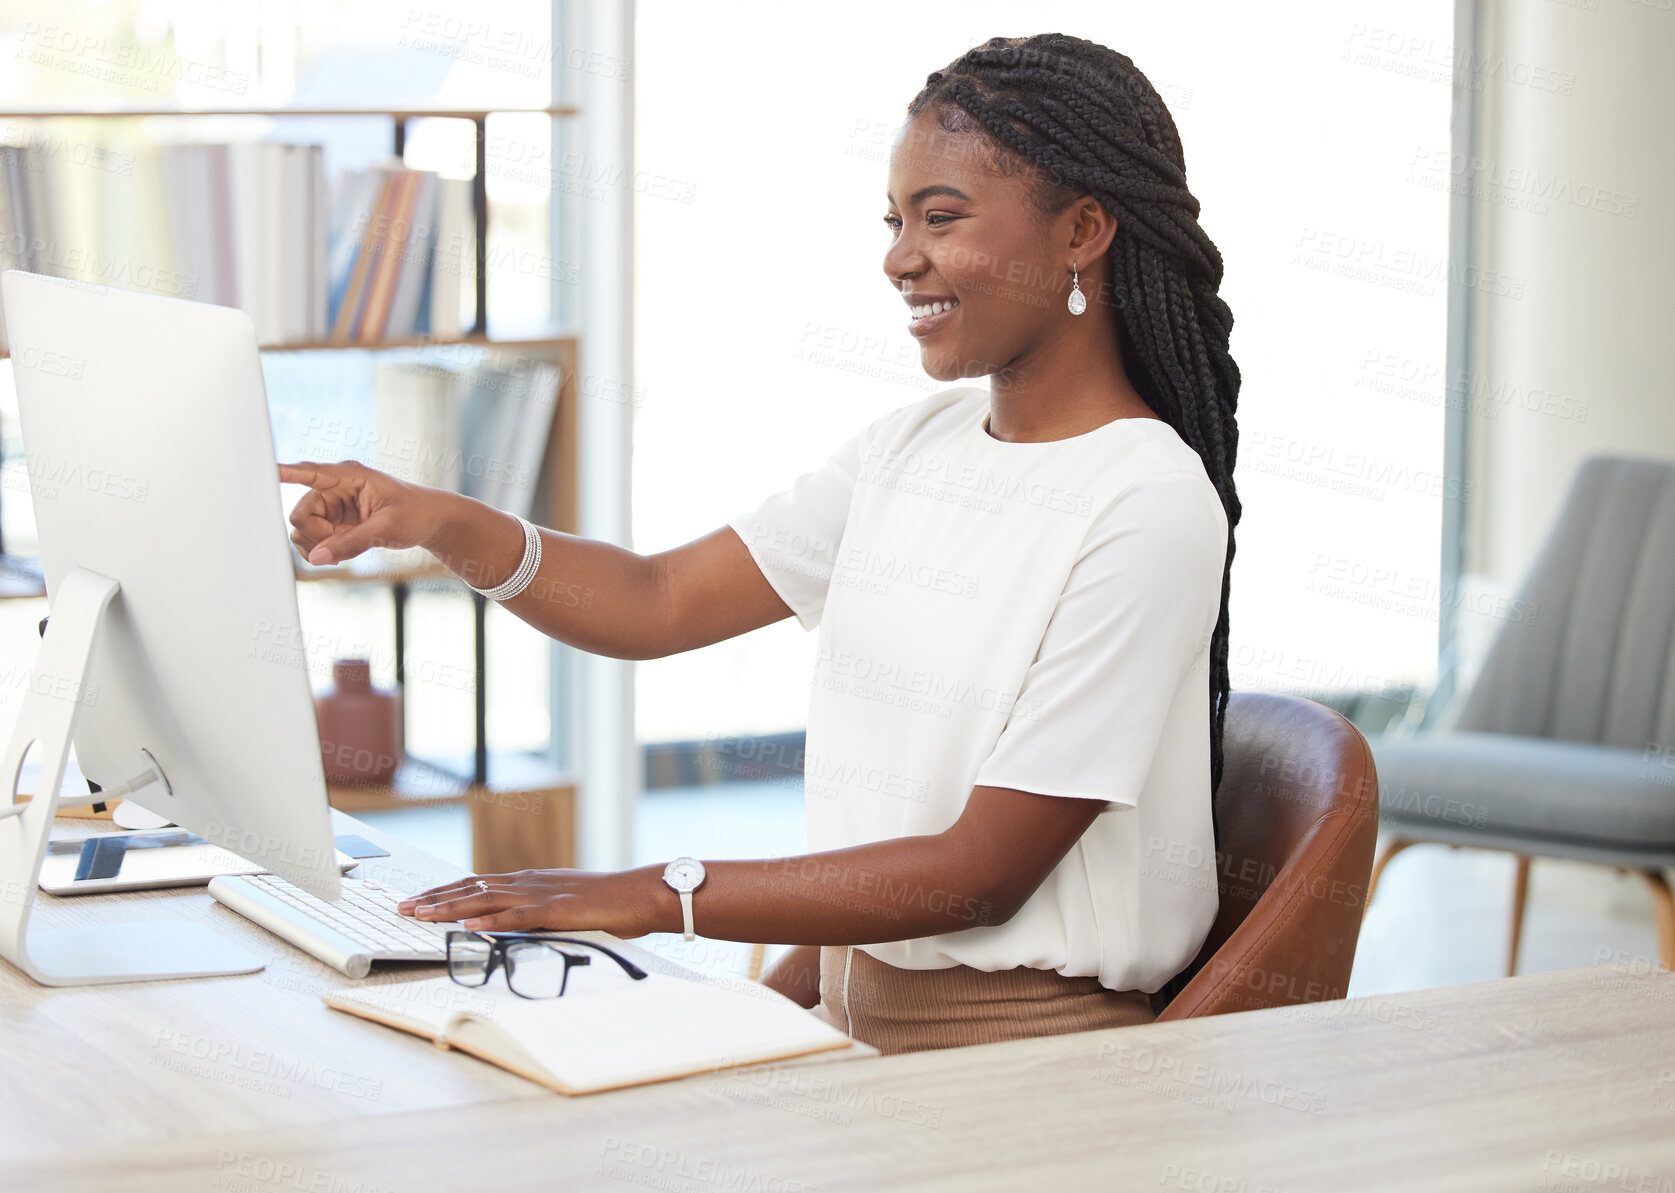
(363, 926)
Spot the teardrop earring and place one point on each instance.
(1078, 300)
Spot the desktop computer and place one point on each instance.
(173, 657)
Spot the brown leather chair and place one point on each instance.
(1298, 815)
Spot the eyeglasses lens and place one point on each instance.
(468, 960)
(537, 970)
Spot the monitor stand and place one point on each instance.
(85, 954)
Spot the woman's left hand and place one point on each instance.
(624, 903)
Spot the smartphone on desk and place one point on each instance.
(138, 861)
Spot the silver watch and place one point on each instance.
(685, 875)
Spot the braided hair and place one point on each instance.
(1081, 119)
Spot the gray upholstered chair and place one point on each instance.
(1564, 746)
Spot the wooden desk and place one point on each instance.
(1554, 1082)
(153, 1061)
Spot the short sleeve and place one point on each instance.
(794, 534)
(1135, 615)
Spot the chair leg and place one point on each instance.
(1520, 892)
(1396, 845)
(1663, 905)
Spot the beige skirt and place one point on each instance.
(912, 1010)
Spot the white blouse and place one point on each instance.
(1026, 615)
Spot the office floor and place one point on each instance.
(1440, 916)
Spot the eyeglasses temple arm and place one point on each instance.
(628, 967)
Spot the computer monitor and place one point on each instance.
(174, 653)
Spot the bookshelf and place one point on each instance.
(522, 811)
(399, 119)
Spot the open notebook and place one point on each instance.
(607, 1031)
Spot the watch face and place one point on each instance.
(684, 873)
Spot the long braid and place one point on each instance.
(1085, 117)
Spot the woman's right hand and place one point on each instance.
(351, 508)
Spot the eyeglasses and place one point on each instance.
(534, 965)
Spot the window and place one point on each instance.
(1316, 139)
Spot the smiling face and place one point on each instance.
(984, 272)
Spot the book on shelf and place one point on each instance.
(506, 414)
(418, 419)
(481, 431)
(9, 251)
(399, 241)
(380, 254)
(607, 1031)
(454, 267)
(417, 260)
(387, 242)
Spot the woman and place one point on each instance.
(1015, 724)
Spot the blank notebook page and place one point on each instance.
(608, 1029)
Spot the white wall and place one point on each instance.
(1576, 186)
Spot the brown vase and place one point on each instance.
(361, 727)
